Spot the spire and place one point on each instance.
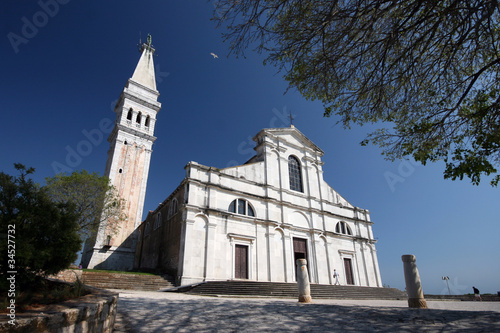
(145, 71)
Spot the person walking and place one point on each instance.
(477, 295)
(336, 276)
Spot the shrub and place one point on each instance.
(45, 238)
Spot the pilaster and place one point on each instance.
(210, 253)
(289, 259)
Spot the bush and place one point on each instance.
(44, 238)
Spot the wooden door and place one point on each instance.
(348, 271)
(300, 252)
(300, 248)
(241, 262)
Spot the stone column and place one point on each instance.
(303, 282)
(413, 285)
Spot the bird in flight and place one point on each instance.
(214, 55)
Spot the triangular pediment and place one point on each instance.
(290, 135)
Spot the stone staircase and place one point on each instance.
(128, 281)
(289, 290)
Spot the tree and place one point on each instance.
(39, 236)
(96, 200)
(428, 71)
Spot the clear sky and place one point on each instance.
(63, 66)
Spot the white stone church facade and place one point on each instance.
(245, 222)
(254, 220)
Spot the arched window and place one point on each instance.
(232, 207)
(138, 119)
(173, 208)
(343, 228)
(129, 114)
(147, 121)
(157, 221)
(241, 207)
(295, 174)
(108, 240)
(250, 211)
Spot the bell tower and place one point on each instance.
(127, 167)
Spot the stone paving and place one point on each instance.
(170, 312)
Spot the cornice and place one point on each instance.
(274, 133)
(152, 91)
(142, 135)
(131, 96)
(277, 202)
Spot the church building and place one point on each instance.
(249, 222)
(255, 220)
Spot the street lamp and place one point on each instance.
(447, 279)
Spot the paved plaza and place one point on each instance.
(171, 312)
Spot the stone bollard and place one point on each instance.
(413, 285)
(303, 281)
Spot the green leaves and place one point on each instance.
(430, 69)
(94, 198)
(43, 233)
(467, 163)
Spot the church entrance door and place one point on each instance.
(299, 252)
(348, 271)
(241, 262)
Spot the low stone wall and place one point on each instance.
(94, 312)
(68, 275)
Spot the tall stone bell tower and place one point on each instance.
(127, 167)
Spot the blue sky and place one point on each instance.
(63, 68)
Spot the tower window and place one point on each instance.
(120, 171)
(241, 207)
(147, 121)
(129, 114)
(343, 228)
(295, 174)
(138, 119)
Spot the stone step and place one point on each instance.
(289, 290)
(128, 281)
